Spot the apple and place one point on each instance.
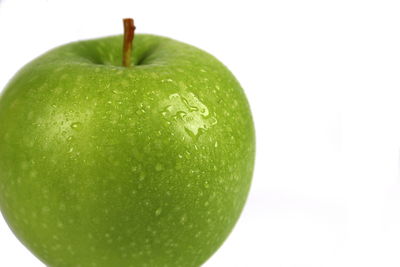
(142, 164)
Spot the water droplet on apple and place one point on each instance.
(134, 168)
(33, 174)
(183, 219)
(76, 125)
(159, 167)
(158, 211)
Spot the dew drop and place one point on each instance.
(134, 168)
(159, 167)
(76, 125)
(183, 219)
(158, 211)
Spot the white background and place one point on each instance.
(323, 80)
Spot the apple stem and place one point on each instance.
(129, 34)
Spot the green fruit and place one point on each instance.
(108, 166)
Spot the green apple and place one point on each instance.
(112, 166)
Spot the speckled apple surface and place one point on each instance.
(107, 166)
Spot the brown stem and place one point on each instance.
(129, 34)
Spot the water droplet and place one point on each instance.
(158, 211)
(33, 174)
(159, 167)
(76, 125)
(216, 144)
(181, 114)
(206, 185)
(183, 219)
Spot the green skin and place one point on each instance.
(107, 166)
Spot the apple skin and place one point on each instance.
(103, 165)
